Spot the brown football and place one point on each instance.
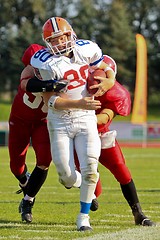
(92, 81)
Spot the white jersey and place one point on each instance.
(86, 54)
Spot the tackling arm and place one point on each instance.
(105, 116)
(30, 83)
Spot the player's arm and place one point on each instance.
(105, 116)
(30, 83)
(26, 74)
(60, 101)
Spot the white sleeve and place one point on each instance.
(97, 53)
(44, 68)
(46, 75)
(96, 57)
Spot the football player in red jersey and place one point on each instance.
(27, 122)
(116, 101)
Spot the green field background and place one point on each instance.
(153, 113)
(56, 208)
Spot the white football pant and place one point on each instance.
(75, 130)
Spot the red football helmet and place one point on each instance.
(56, 27)
(112, 64)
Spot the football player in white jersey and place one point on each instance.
(68, 59)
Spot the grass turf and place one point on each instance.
(153, 112)
(56, 208)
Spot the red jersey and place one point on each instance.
(118, 100)
(29, 106)
(24, 103)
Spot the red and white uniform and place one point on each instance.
(69, 129)
(27, 123)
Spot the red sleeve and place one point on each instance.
(117, 99)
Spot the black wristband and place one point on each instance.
(36, 85)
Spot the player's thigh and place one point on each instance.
(62, 151)
(112, 156)
(19, 138)
(19, 141)
(87, 144)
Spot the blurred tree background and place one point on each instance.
(113, 24)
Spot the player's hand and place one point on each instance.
(59, 85)
(89, 103)
(104, 85)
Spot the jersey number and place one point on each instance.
(35, 103)
(75, 79)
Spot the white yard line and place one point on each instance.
(139, 232)
(142, 233)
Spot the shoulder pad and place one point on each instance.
(41, 59)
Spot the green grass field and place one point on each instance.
(153, 113)
(56, 208)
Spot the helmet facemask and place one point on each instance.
(57, 49)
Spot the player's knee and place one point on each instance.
(91, 178)
(18, 170)
(67, 180)
(90, 174)
(44, 162)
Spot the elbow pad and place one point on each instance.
(36, 85)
